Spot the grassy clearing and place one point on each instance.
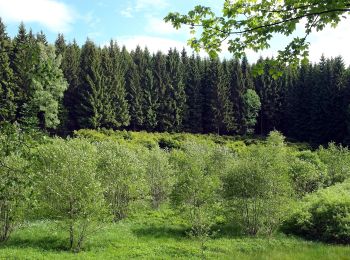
(159, 235)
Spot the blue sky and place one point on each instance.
(133, 22)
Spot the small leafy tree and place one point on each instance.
(196, 190)
(159, 175)
(15, 184)
(307, 172)
(122, 176)
(253, 105)
(69, 189)
(337, 159)
(258, 188)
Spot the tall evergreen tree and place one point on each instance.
(150, 93)
(60, 45)
(115, 103)
(71, 70)
(174, 99)
(134, 89)
(193, 110)
(91, 91)
(223, 117)
(160, 76)
(7, 86)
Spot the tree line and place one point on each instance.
(66, 87)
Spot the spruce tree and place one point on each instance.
(160, 76)
(150, 93)
(89, 109)
(71, 70)
(24, 56)
(193, 110)
(175, 86)
(60, 45)
(116, 105)
(134, 90)
(7, 86)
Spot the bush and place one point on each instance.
(337, 159)
(122, 176)
(159, 175)
(14, 192)
(323, 215)
(16, 179)
(257, 187)
(307, 172)
(196, 190)
(69, 190)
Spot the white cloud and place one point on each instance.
(143, 5)
(55, 15)
(158, 26)
(331, 42)
(127, 12)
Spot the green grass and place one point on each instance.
(159, 235)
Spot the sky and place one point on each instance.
(140, 22)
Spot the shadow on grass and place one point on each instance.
(153, 231)
(160, 232)
(45, 243)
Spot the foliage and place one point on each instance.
(196, 190)
(48, 85)
(307, 172)
(122, 176)
(337, 159)
(16, 184)
(253, 105)
(68, 187)
(14, 193)
(258, 188)
(324, 215)
(159, 175)
(251, 25)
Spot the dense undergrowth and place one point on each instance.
(136, 194)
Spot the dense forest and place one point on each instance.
(66, 87)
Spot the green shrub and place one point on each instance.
(196, 190)
(159, 176)
(337, 160)
(307, 172)
(257, 187)
(122, 176)
(168, 143)
(323, 215)
(15, 187)
(68, 188)
(16, 179)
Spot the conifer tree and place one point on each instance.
(116, 106)
(71, 70)
(7, 86)
(150, 93)
(194, 99)
(23, 58)
(134, 90)
(176, 90)
(160, 76)
(41, 38)
(60, 45)
(90, 106)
